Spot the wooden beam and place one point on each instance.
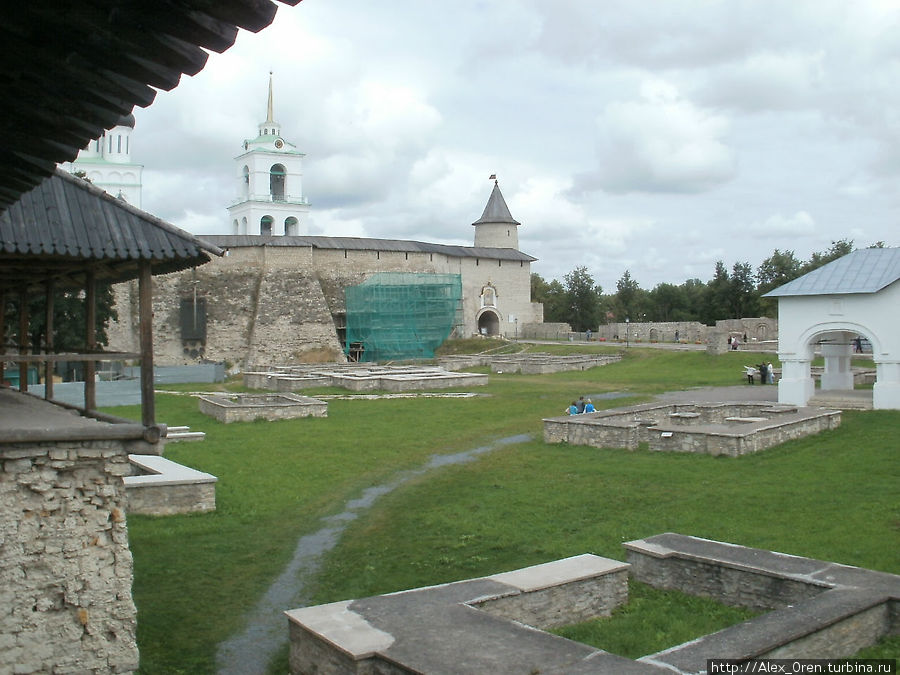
(2, 332)
(23, 339)
(48, 347)
(90, 339)
(145, 331)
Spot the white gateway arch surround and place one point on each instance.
(857, 295)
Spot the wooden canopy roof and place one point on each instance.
(72, 69)
(65, 226)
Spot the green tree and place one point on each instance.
(625, 302)
(776, 270)
(744, 299)
(583, 297)
(69, 319)
(718, 296)
(552, 295)
(837, 250)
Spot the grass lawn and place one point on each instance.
(834, 497)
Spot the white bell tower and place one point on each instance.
(269, 197)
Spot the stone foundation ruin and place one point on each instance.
(532, 363)
(359, 377)
(161, 487)
(494, 624)
(730, 429)
(229, 408)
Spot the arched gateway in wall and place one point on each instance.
(856, 297)
(488, 322)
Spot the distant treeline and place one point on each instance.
(580, 302)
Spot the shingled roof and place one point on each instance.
(71, 70)
(65, 225)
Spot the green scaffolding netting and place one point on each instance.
(400, 316)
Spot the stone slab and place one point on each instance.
(343, 628)
(162, 471)
(558, 572)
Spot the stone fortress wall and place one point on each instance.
(270, 305)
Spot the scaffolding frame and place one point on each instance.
(397, 316)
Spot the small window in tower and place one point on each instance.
(507, 233)
(499, 263)
(266, 132)
(265, 225)
(119, 143)
(127, 139)
(110, 144)
(476, 262)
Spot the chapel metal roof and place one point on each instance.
(367, 244)
(866, 270)
(66, 225)
(73, 69)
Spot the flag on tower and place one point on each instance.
(493, 177)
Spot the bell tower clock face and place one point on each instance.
(279, 143)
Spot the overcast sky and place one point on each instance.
(657, 137)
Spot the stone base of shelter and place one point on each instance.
(493, 624)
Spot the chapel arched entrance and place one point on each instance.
(837, 346)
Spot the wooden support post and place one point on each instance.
(90, 339)
(2, 333)
(145, 310)
(48, 347)
(23, 339)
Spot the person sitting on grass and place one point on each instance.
(589, 407)
(573, 409)
(579, 405)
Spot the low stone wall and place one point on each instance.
(477, 626)
(730, 429)
(489, 625)
(65, 565)
(248, 407)
(550, 605)
(162, 487)
(544, 331)
(820, 609)
(542, 364)
(360, 377)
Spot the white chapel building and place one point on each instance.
(831, 310)
(106, 162)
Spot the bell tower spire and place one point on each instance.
(270, 127)
(269, 185)
(269, 117)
